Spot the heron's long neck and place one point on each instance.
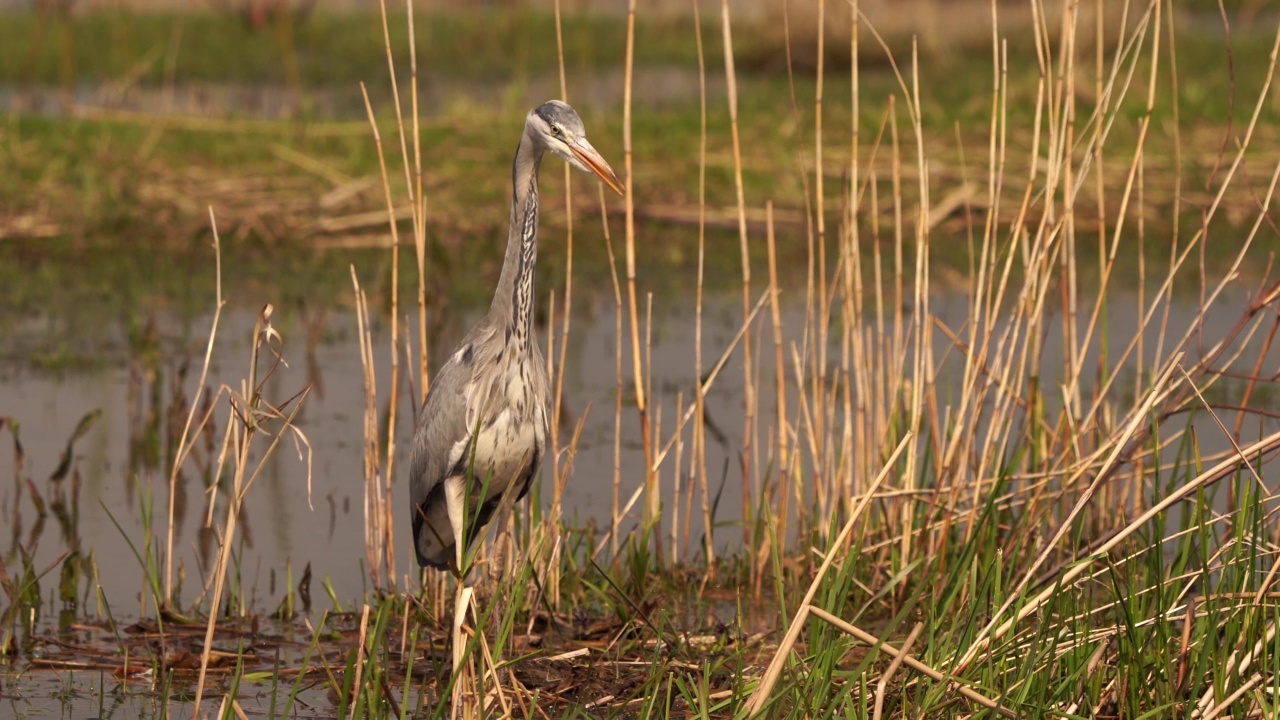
(512, 305)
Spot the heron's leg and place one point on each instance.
(455, 504)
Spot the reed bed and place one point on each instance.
(938, 518)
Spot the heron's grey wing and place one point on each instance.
(439, 442)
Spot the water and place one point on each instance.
(76, 681)
(282, 523)
(116, 471)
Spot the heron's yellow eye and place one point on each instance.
(555, 130)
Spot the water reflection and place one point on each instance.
(59, 495)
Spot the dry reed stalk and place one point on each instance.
(875, 339)
(993, 276)
(419, 214)
(231, 707)
(619, 382)
(691, 475)
(418, 204)
(559, 475)
(1010, 374)
(963, 438)
(380, 523)
(822, 468)
(1067, 260)
(888, 388)
(1242, 665)
(1047, 246)
(496, 693)
(1101, 227)
(1165, 290)
(1013, 347)
(246, 413)
(781, 461)
(1177, 196)
(882, 685)
(901, 654)
(377, 533)
(395, 93)
(1214, 474)
(653, 477)
(699, 450)
(1076, 364)
(676, 475)
(463, 665)
(922, 375)
(685, 418)
(1254, 376)
(761, 695)
(185, 448)
(380, 537)
(1098, 149)
(637, 369)
(740, 336)
(385, 547)
(1254, 681)
(811, 317)
(360, 651)
(1176, 399)
(853, 351)
(1235, 446)
(731, 86)
(894, 344)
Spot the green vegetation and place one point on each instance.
(327, 49)
(150, 180)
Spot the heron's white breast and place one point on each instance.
(509, 434)
(504, 449)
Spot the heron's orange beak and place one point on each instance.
(592, 159)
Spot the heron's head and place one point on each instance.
(559, 129)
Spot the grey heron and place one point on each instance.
(483, 428)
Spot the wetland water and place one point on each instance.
(116, 464)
